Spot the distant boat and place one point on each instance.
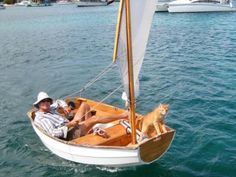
(91, 3)
(45, 3)
(23, 3)
(201, 6)
(162, 5)
(63, 2)
(2, 6)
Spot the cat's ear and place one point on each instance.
(160, 106)
(167, 106)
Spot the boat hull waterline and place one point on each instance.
(103, 156)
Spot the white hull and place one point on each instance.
(200, 7)
(64, 3)
(113, 156)
(91, 155)
(2, 7)
(91, 4)
(162, 7)
(22, 3)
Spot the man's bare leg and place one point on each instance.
(89, 123)
(83, 113)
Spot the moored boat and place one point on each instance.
(92, 3)
(23, 3)
(64, 2)
(201, 6)
(125, 144)
(39, 3)
(162, 5)
(2, 6)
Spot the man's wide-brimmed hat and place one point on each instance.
(42, 96)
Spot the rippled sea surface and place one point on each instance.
(190, 63)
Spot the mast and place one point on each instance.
(126, 4)
(118, 25)
(130, 70)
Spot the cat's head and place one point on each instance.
(164, 108)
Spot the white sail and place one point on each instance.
(141, 12)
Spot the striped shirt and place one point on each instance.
(51, 122)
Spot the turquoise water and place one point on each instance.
(190, 63)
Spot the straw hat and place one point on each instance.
(42, 96)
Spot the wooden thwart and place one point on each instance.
(117, 137)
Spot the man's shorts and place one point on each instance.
(73, 133)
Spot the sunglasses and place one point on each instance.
(46, 100)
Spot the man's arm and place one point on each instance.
(61, 107)
(59, 103)
(60, 132)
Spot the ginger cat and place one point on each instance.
(155, 121)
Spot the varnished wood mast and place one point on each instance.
(118, 25)
(129, 58)
(130, 70)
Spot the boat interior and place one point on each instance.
(118, 134)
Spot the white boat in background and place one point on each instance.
(64, 2)
(39, 3)
(201, 6)
(162, 5)
(23, 3)
(91, 3)
(2, 6)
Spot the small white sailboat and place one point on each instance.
(23, 3)
(92, 3)
(121, 148)
(2, 6)
(64, 2)
(201, 6)
(39, 3)
(162, 5)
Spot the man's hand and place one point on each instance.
(72, 123)
(66, 110)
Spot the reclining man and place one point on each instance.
(56, 125)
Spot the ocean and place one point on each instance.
(190, 63)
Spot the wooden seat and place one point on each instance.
(117, 137)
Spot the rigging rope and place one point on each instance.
(110, 94)
(92, 81)
(105, 98)
(103, 72)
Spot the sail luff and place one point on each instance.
(129, 51)
(130, 70)
(141, 15)
(118, 25)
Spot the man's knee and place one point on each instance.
(85, 105)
